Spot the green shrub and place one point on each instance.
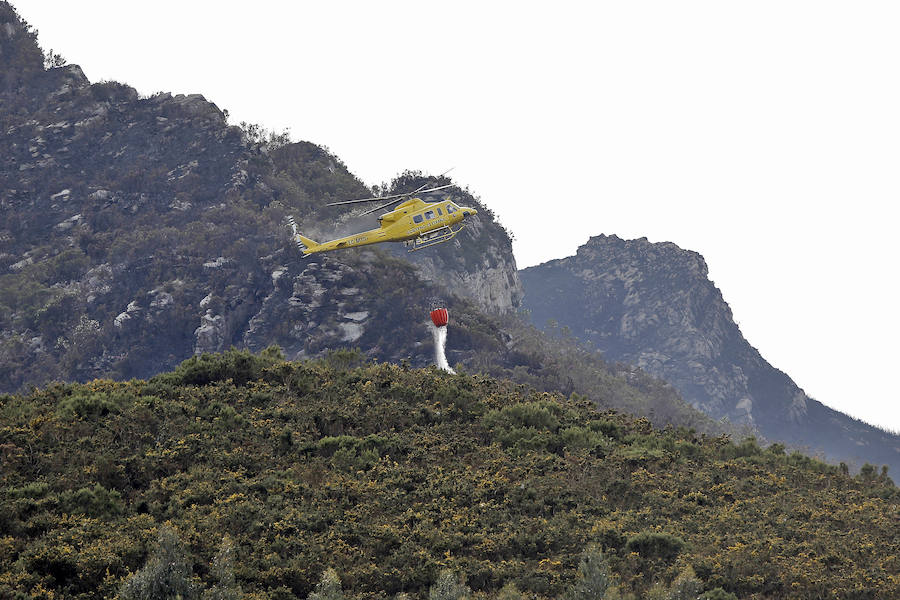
(345, 359)
(528, 438)
(526, 426)
(638, 454)
(34, 490)
(241, 366)
(510, 592)
(347, 451)
(539, 415)
(584, 438)
(608, 428)
(686, 586)
(655, 545)
(67, 266)
(85, 404)
(95, 501)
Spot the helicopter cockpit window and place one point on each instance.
(429, 214)
(417, 218)
(451, 209)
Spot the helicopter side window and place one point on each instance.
(440, 214)
(429, 214)
(417, 218)
(450, 209)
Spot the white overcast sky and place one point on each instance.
(764, 135)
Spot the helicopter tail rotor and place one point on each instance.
(303, 243)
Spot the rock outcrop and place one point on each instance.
(653, 305)
(163, 226)
(478, 264)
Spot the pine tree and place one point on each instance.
(449, 586)
(167, 573)
(594, 582)
(510, 592)
(328, 588)
(225, 588)
(686, 586)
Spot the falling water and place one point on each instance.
(440, 341)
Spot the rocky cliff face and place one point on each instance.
(653, 305)
(494, 286)
(135, 232)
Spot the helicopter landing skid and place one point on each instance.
(438, 236)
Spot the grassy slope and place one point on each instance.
(389, 475)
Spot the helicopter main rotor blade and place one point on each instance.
(365, 200)
(392, 199)
(434, 189)
(386, 204)
(425, 185)
(416, 191)
(377, 208)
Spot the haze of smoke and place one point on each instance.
(440, 341)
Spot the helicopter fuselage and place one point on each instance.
(413, 220)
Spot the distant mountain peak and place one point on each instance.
(653, 305)
(612, 247)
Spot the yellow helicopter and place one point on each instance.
(417, 223)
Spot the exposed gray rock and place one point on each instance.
(351, 331)
(210, 336)
(128, 314)
(495, 286)
(161, 299)
(215, 264)
(18, 266)
(68, 223)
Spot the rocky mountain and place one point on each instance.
(653, 305)
(136, 232)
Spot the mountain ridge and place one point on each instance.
(653, 305)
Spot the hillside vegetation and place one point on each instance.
(246, 471)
